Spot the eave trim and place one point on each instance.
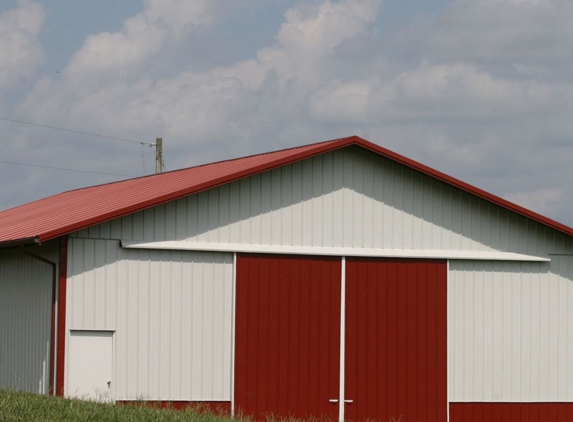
(20, 242)
(335, 251)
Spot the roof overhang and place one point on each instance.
(20, 242)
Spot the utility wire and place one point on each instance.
(76, 131)
(64, 169)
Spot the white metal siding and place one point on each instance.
(510, 331)
(348, 198)
(25, 316)
(171, 312)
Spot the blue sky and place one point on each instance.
(479, 89)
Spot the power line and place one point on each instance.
(76, 131)
(64, 169)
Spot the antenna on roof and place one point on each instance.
(158, 155)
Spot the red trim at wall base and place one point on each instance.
(222, 408)
(61, 352)
(511, 412)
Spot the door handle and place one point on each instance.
(333, 400)
(348, 401)
(109, 384)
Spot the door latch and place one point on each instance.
(109, 384)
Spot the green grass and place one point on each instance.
(16, 406)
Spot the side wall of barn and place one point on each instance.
(25, 316)
(170, 313)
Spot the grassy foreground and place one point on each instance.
(16, 406)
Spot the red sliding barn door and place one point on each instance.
(395, 345)
(287, 344)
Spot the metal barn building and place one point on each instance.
(336, 280)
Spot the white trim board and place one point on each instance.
(334, 251)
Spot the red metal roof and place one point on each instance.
(67, 212)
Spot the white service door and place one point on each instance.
(90, 365)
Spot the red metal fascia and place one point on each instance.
(198, 188)
(511, 411)
(61, 351)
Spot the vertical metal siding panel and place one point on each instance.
(438, 222)
(526, 327)
(87, 300)
(326, 214)
(426, 232)
(338, 200)
(255, 211)
(478, 341)
(266, 216)
(170, 313)
(196, 329)
(409, 201)
(292, 216)
(138, 224)
(192, 216)
(154, 340)
(517, 328)
(526, 337)
(568, 269)
(245, 210)
(116, 229)
(378, 218)
(170, 220)
(317, 202)
(105, 230)
(25, 315)
(110, 281)
(283, 217)
(163, 372)
(175, 321)
(203, 216)
(234, 212)
(563, 358)
(356, 190)
(99, 287)
(224, 213)
(148, 222)
(347, 202)
(125, 228)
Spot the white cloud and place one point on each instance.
(483, 91)
(232, 102)
(20, 52)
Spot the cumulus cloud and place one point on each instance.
(482, 90)
(20, 52)
(236, 102)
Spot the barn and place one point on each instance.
(337, 280)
